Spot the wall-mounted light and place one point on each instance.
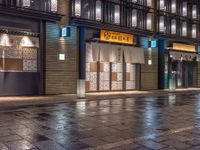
(173, 26)
(134, 18)
(194, 31)
(26, 3)
(5, 40)
(149, 62)
(61, 56)
(117, 14)
(65, 32)
(54, 5)
(77, 8)
(98, 10)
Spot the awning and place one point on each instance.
(133, 54)
(182, 56)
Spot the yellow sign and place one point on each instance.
(116, 37)
(184, 47)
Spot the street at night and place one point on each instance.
(142, 123)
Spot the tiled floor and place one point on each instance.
(143, 123)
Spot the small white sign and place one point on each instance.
(61, 56)
(149, 62)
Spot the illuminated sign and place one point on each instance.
(153, 44)
(65, 32)
(116, 37)
(184, 47)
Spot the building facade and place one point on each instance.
(23, 26)
(136, 44)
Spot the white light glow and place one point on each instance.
(162, 5)
(54, 5)
(162, 24)
(117, 14)
(98, 10)
(26, 3)
(149, 21)
(173, 26)
(26, 42)
(5, 40)
(149, 3)
(77, 8)
(194, 11)
(134, 18)
(61, 56)
(184, 29)
(184, 9)
(194, 31)
(173, 6)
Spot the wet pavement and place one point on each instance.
(142, 123)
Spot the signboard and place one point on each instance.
(116, 37)
(184, 47)
(153, 44)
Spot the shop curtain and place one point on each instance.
(95, 51)
(133, 54)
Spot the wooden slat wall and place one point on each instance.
(149, 73)
(61, 76)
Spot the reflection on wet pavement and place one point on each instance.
(152, 122)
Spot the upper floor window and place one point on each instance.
(26, 3)
(194, 11)
(134, 18)
(173, 26)
(117, 14)
(149, 21)
(54, 5)
(77, 8)
(150, 3)
(162, 24)
(98, 10)
(162, 5)
(173, 6)
(194, 31)
(184, 9)
(184, 29)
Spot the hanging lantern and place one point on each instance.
(26, 3)
(54, 5)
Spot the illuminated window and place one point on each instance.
(173, 26)
(98, 10)
(134, 18)
(117, 14)
(194, 31)
(194, 11)
(149, 21)
(184, 28)
(162, 24)
(162, 5)
(173, 6)
(77, 8)
(54, 5)
(26, 3)
(149, 3)
(184, 9)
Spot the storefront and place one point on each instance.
(112, 62)
(181, 65)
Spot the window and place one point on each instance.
(26, 3)
(54, 5)
(184, 28)
(173, 26)
(194, 11)
(134, 18)
(117, 14)
(149, 21)
(173, 6)
(184, 9)
(98, 10)
(77, 8)
(162, 5)
(86, 10)
(150, 3)
(161, 24)
(194, 31)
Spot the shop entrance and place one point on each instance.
(112, 67)
(186, 74)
